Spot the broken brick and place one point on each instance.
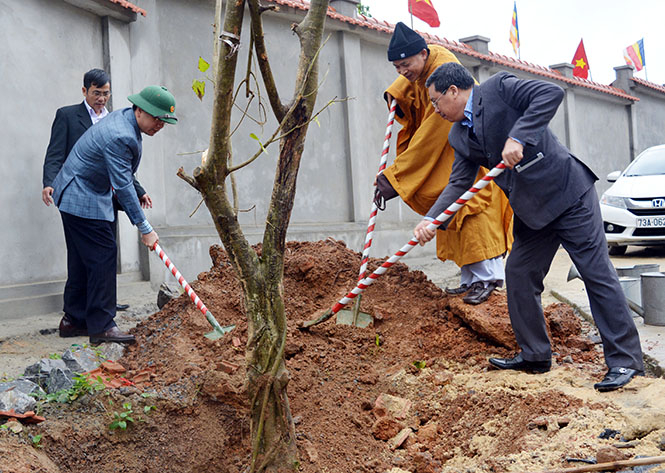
(113, 367)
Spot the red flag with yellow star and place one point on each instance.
(424, 10)
(580, 62)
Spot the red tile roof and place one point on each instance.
(454, 46)
(129, 6)
(651, 85)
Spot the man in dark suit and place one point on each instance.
(69, 124)
(554, 201)
(101, 167)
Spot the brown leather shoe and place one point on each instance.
(68, 328)
(481, 294)
(112, 335)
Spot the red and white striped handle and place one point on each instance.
(372, 216)
(442, 217)
(185, 285)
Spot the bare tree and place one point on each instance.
(272, 428)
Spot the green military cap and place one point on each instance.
(157, 101)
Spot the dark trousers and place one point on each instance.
(90, 291)
(579, 229)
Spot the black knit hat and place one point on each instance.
(404, 43)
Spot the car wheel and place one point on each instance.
(618, 250)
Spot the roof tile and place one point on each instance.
(454, 46)
(651, 85)
(129, 6)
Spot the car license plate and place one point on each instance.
(651, 222)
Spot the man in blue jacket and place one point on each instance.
(102, 164)
(554, 202)
(68, 126)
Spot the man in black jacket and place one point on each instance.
(71, 122)
(554, 202)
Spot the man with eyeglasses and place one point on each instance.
(507, 119)
(422, 168)
(101, 166)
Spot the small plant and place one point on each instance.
(364, 10)
(420, 364)
(147, 409)
(36, 439)
(82, 385)
(122, 419)
(55, 356)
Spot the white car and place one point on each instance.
(633, 208)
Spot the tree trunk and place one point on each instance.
(272, 428)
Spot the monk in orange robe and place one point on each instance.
(480, 233)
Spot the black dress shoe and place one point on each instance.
(480, 295)
(455, 291)
(616, 378)
(121, 306)
(520, 364)
(68, 328)
(474, 289)
(112, 335)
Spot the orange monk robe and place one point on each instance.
(481, 229)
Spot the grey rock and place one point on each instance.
(58, 380)
(165, 294)
(23, 385)
(40, 371)
(80, 360)
(15, 399)
(112, 351)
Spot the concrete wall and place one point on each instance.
(51, 43)
(602, 135)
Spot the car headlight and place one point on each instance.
(613, 201)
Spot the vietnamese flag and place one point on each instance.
(580, 62)
(424, 10)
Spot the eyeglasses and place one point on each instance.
(435, 102)
(97, 93)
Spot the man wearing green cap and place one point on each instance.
(102, 164)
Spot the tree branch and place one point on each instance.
(310, 33)
(188, 179)
(278, 107)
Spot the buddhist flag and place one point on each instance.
(424, 10)
(515, 32)
(634, 55)
(580, 62)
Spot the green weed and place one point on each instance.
(36, 439)
(82, 385)
(121, 420)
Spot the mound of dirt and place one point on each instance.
(412, 391)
